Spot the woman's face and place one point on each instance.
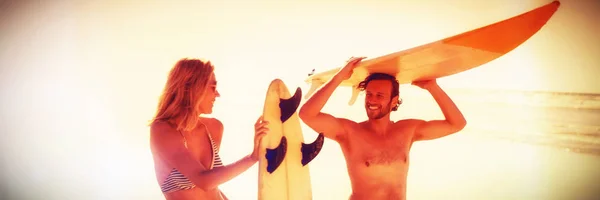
(210, 95)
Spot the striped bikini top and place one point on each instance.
(176, 181)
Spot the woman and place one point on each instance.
(184, 145)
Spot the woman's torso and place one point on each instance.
(203, 147)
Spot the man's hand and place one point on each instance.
(427, 84)
(310, 113)
(346, 72)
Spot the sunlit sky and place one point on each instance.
(87, 74)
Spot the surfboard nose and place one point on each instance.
(278, 93)
(354, 96)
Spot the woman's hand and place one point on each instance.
(260, 130)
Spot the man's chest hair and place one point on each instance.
(384, 156)
(379, 150)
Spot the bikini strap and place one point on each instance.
(213, 146)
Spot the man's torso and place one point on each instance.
(378, 163)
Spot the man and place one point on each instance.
(377, 150)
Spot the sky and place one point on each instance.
(87, 74)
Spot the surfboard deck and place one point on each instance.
(283, 170)
(447, 56)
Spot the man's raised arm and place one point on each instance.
(434, 129)
(310, 112)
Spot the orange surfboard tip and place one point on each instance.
(556, 2)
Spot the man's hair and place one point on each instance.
(381, 76)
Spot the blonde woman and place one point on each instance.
(185, 146)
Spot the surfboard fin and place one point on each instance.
(310, 151)
(312, 72)
(354, 95)
(275, 156)
(313, 88)
(289, 106)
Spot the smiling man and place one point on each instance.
(377, 150)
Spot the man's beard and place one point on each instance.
(378, 113)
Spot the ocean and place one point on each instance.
(517, 145)
(567, 121)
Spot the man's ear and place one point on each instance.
(396, 102)
(395, 99)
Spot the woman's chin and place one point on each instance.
(206, 111)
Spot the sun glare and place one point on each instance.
(82, 80)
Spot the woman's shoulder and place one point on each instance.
(158, 127)
(164, 137)
(213, 123)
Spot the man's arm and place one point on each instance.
(311, 114)
(434, 129)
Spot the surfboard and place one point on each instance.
(283, 172)
(447, 56)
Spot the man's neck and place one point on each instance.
(379, 126)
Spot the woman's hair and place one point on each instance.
(180, 99)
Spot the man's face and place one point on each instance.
(378, 98)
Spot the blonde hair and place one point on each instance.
(185, 88)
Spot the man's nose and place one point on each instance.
(370, 100)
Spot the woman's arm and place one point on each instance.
(168, 144)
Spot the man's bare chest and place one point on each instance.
(382, 153)
(380, 150)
